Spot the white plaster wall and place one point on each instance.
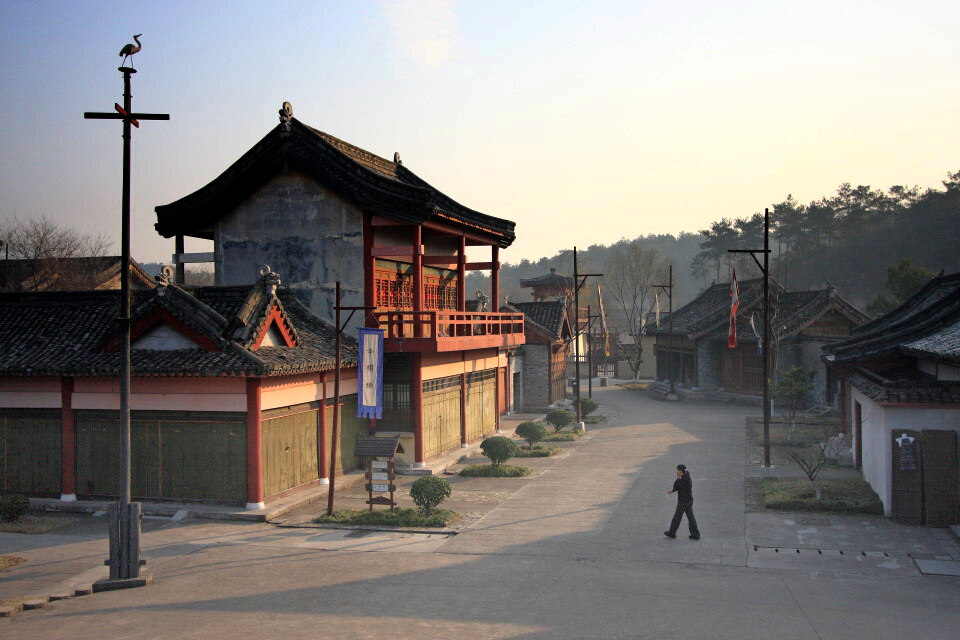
(29, 400)
(875, 465)
(877, 421)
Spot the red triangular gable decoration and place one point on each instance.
(274, 319)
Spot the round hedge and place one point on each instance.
(499, 449)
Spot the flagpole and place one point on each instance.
(766, 338)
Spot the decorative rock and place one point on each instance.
(59, 596)
(34, 603)
(6, 612)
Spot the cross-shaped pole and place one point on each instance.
(579, 280)
(668, 289)
(765, 269)
(335, 436)
(125, 531)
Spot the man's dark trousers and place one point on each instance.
(684, 508)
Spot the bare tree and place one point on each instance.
(44, 248)
(814, 458)
(629, 275)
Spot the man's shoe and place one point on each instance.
(669, 535)
(695, 537)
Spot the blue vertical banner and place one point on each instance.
(370, 373)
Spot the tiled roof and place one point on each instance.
(69, 274)
(548, 316)
(70, 333)
(905, 391)
(928, 324)
(375, 184)
(553, 279)
(709, 312)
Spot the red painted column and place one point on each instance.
(68, 443)
(417, 241)
(323, 464)
(417, 398)
(495, 278)
(496, 397)
(463, 411)
(462, 275)
(254, 446)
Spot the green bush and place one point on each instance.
(587, 406)
(499, 449)
(499, 471)
(384, 518)
(13, 506)
(560, 418)
(428, 492)
(531, 431)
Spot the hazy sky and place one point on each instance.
(582, 121)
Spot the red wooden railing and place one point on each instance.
(448, 324)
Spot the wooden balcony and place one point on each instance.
(436, 331)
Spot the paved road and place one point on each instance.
(576, 552)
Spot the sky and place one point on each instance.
(584, 122)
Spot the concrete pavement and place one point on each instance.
(576, 552)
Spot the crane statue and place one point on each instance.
(130, 49)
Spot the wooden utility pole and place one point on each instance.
(576, 331)
(765, 268)
(668, 289)
(335, 435)
(125, 520)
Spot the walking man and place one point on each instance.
(683, 487)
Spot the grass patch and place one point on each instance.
(594, 419)
(490, 471)
(852, 495)
(564, 436)
(10, 561)
(537, 452)
(396, 518)
(38, 523)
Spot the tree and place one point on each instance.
(428, 492)
(560, 418)
(630, 272)
(791, 391)
(499, 449)
(45, 247)
(531, 431)
(904, 278)
(812, 459)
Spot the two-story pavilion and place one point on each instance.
(319, 211)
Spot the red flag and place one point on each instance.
(734, 306)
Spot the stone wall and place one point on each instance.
(536, 376)
(305, 232)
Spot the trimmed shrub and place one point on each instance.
(428, 492)
(499, 449)
(531, 431)
(587, 405)
(560, 418)
(13, 506)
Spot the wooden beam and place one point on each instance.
(380, 221)
(481, 266)
(473, 239)
(447, 262)
(403, 250)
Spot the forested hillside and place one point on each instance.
(849, 239)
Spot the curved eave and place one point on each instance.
(304, 151)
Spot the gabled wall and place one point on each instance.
(305, 232)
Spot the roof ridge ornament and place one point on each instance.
(396, 158)
(286, 115)
(164, 278)
(270, 279)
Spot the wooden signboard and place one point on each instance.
(381, 473)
